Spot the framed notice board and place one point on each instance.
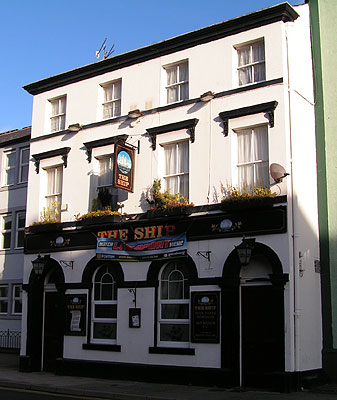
(205, 317)
(76, 306)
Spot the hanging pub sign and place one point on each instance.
(205, 317)
(76, 314)
(124, 167)
(162, 247)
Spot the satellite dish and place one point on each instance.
(277, 172)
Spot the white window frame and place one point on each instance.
(254, 162)
(179, 83)
(4, 299)
(54, 195)
(7, 168)
(4, 231)
(103, 302)
(251, 64)
(23, 164)
(18, 229)
(177, 175)
(16, 299)
(60, 117)
(116, 101)
(163, 321)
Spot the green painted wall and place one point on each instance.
(323, 14)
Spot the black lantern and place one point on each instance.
(244, 250)
(39, 263)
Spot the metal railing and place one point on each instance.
(10, 339)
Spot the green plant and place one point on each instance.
(97, 213)
(50, 214)
(165, 200)
(233, 193)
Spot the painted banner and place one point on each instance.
(124, 167)
(151, 249)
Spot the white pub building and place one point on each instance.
(215, 292)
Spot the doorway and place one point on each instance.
(262, 335)
(54, 319)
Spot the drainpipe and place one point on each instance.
(294, 236)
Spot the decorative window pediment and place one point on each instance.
(188, 124)
(63, 152)
(267, 108)
(103, 142)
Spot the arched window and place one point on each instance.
(104, 310)
(174, 304)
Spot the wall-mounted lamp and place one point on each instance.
(244, 250)
(134, 114)
(39, 263)
(74, 127)
(207, 96)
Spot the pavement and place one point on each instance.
(11, 377)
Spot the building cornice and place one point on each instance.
(279, 13)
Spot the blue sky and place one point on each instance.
(41, 38)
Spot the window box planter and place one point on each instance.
(53, 226)
(170, 211)
(248, 203)
(104, 219)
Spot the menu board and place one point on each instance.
(205, 317)
(76, 305)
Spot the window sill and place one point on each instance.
(172, 350)
(101, 347)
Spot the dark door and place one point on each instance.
(53, 330)
(262, 324)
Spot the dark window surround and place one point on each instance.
(103, 142)
(188, 124)
(267, 108)
(63, 152)
(281, 12)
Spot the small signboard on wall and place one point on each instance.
(124, 167)
(205, 317)
(76, 305)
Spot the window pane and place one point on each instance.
(21, 220)
(18, 291)
(10, 177)
(20, 240)
(174, 311)
(24, 173)
(24, 156)
(174, 332)
(3, 291)
(18, 306)
(176, 290)
(106, 311)
(3, 306)
(7, 222)
(11, 160)
(104, 330)
(107, 291)
(258, 51)
(172, 94)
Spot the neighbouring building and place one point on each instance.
(14, 159)
(161, 294)
(323, 15)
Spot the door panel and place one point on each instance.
(262, 316)
(53, 330)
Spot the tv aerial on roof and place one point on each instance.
(106, 53)
(277, 172)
